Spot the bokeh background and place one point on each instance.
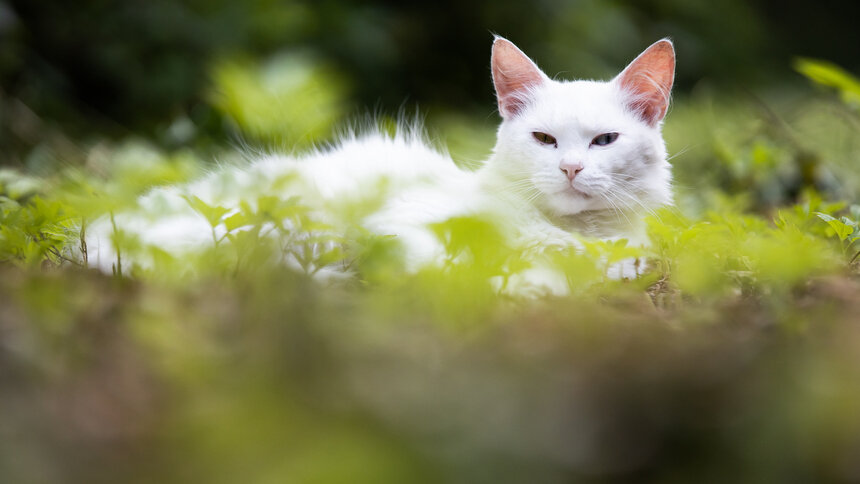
(722, 375)
(207, 74)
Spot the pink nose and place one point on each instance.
(570, 169)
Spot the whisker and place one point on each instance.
(637, 201)
(616, 211)
(680, 152)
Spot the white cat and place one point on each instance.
(578, 157)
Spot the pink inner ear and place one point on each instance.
(648, 80)
(513, 75)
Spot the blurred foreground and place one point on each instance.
(266, 378)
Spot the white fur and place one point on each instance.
(521, 183)
(629, 175)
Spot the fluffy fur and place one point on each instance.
(527, 182)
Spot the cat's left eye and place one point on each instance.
(544, 138)
(604, 139)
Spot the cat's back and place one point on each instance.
(417, 181)
(359, 163)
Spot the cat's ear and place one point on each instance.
(647, 81)
(514, 76)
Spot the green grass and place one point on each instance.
(734, 358)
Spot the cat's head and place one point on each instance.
(584, 145)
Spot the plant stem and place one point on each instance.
(118, 267)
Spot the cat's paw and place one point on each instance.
(534, 283)
(626, 269)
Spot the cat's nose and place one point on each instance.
(570, 169)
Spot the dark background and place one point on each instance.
(103, 68)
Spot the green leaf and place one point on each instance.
(330, 256)
(848, 221)
(236, 220)
(842, 229)
(825, 217)
(213, 214)
(830, 75)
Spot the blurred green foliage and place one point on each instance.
(110, 69)
(733, 358)
(289, 101)
(831, 75)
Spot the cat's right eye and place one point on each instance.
(604, 139)
(545, 138)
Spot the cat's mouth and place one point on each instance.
(578, 191)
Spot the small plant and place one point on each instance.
(847, 230)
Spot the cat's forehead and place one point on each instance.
(579, 104)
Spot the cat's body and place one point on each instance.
(579, 157)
